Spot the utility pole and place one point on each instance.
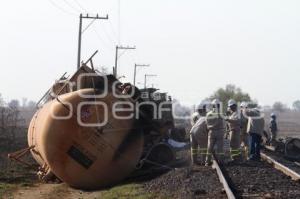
(81, 17)
(115, 70)
(146, 76)
(135, 66)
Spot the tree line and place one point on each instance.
(233, 92)
(14, 120)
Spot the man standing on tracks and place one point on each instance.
(198, 136)
(255, 129)
(234, 125)
(273, 127)
(216, 130)
(244, 134)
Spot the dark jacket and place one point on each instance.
(273, 126)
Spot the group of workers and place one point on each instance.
(244, 127)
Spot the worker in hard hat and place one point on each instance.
(234, 125)
(244, 134)
(216, 129)
(195, 116)
(198, 136)
(255, 130)
(273, 127)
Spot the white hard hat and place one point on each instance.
(244, 105)
(231, 102)
(201, 106)
(273, 115)
(215, 102)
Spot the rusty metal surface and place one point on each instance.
(83, 157)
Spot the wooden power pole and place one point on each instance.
(81, 17)
(115, 70)
(135, 66)
(145, 81)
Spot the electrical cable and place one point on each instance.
(108, 37)
(71, 6)
(102, 40)
(62, 9)
(79, 5)
(95, 30)
(113, 30)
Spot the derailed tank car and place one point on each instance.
(92, 131)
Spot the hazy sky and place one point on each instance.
(194, 46)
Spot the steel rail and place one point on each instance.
(281, 167)
(223, 180)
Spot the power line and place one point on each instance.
(102, 40)
(113, 30)
(61, 9)
(81, 17)
(119, 22)
(116, 37)
(112, 41)
(135, 71)
(115, 71)
(71, 6)
(80, 6)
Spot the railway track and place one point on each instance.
(278, 157)
(249, 179)
(253, 179)
(193, 182)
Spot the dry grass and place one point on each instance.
(14, 176)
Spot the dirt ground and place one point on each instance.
(50, 191)
(59, 191)
(199, 182)
(182, 182)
